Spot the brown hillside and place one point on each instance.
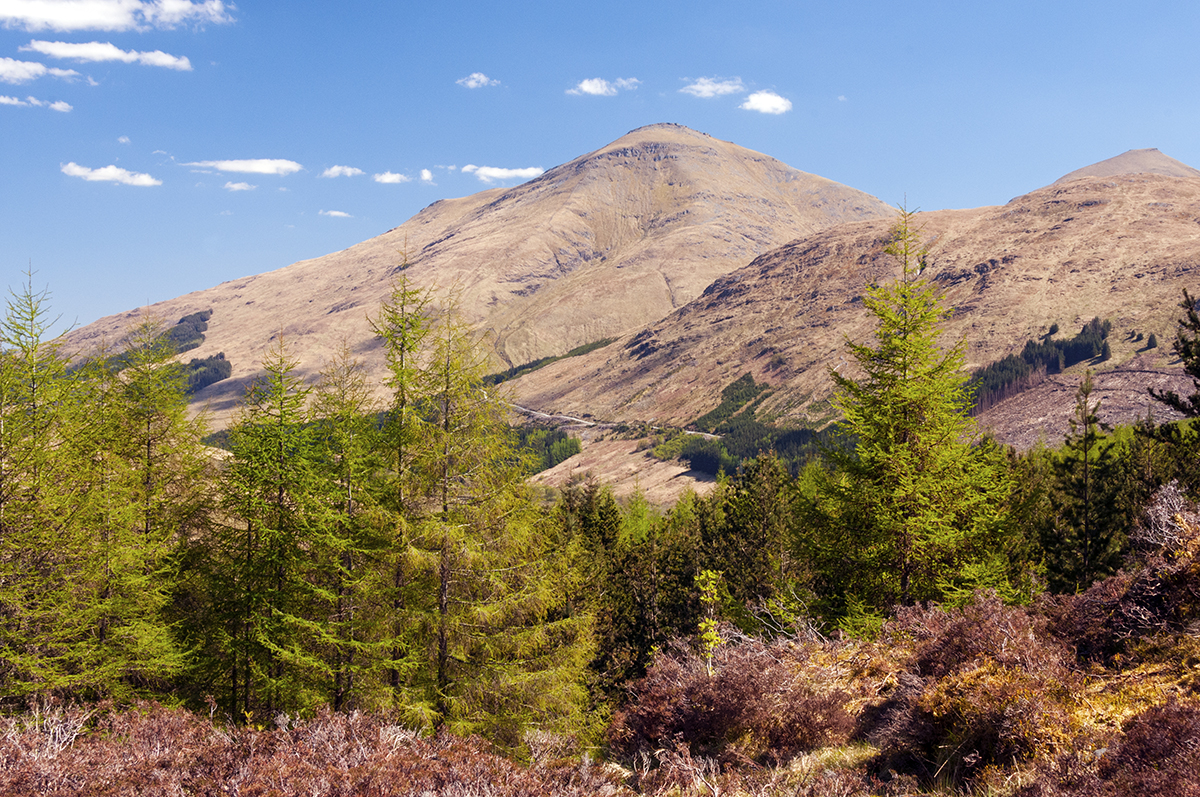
(1118, 247)
(594, 248)
(1134, 161)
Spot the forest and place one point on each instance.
(361, 597)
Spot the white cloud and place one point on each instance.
(231, 186)
(71, 15)
(426, 176)
(841, 98)
(599, 87)
(766, 102)
(259, 166)
(490, 174)
(477, 80)
(707, 87)
(341, 171)
(123, 140)
(106, 51)
(337, 214)
(391, 177)
(14, 71)
(109, 174)
(60, 106)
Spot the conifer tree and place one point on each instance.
(274, 633)
(350, 537)
(403, 326)
(1187, 347)
(1085, 543)
(499, 648)
(913, 511)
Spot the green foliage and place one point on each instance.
(202, 373)
(548, 446)
(97, 485)
(1014, 374)
(734, 397)
(1187, 348)
(708, 635)
(915, 501)
(542, 362)
(188, 332)
(1086, 539)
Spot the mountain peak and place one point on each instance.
(1134, 161)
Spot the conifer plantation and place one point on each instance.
(362, 596)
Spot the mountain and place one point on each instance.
(1118, 246)
(1134, 161)
(603, 245)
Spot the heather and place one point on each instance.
(363, 596)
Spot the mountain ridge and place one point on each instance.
(630, 232)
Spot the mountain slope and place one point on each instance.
(1120, 247)
(594, 248)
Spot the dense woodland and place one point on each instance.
(358, 598)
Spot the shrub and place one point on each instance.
(1161, 597)
(983, 687)
(759, 705)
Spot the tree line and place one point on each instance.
(389, 557)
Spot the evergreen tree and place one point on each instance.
(1086, 540)
(273, 606)
(350, 536)
(493, 643)
(403, 327)
(1187, 347)
(913, 512)
(82, 581)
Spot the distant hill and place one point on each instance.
(1117, 246)
(1134, 161)
(603, 245)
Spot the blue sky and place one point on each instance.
(155, 147)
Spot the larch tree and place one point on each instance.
(499, 648)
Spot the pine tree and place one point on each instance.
(912, 512)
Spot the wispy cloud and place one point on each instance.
(842, 98)
(106, 51)
(766, 102)
(707, 87)
(599, 87)
(341, 171)
(60, 106)
(114, 15)
(231, 186)
(109, 174)
(123, 140)
(491, 174)
(427, 176)
(337, 214)
(391, 177)
(477, 80)
(260, 166)
(14, 71)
